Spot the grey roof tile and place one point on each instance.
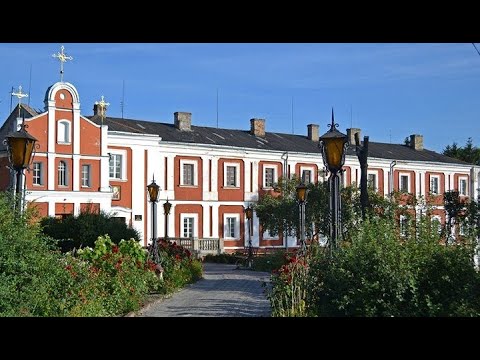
(271, 141)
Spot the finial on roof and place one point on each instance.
(62, 57)
(19, 95)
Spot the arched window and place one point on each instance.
(62, 173)
(63, 132)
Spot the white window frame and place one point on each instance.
(403, 230)
(313, 180)
(237, 174)
(275, 176)
(266, 235)
(375, 185)
(64, 132)
(89, 176)
(123, 169)
(409, 186)
(65, 173)
(183, 216)
(439, 219)
(226, 234)
(460, 178)
(40, 175)
(195, 171)
(437, 177)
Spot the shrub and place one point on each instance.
(223, 258)
(122, 271)
(377, 273)
(180, 268)
(84, 229)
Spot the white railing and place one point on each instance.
(198, 246)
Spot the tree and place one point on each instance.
(468, 153)
(84, 229)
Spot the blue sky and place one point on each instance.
(388, 90)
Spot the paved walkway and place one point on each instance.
(224, 291)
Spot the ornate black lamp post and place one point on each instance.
(249, 215)
(333, 144)
(153, 189)
(302, 193)
(20, 147)
(166, 210)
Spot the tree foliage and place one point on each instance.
(84, 229)
(468, 153)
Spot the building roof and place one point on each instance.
(271, 141)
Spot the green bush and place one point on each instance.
(270, 262)
(84, 229)
(179, 266)
(223, 258)
(377, 273)
(32, 277)
(123, 275)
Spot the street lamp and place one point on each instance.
(333, 144)
(20, 147)
(153, 189)
(302, 193)
(249, 215)
(166, 210)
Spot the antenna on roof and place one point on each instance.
(29, 85)
(390, 133)
(217, 108)
(122, 103)
(293, 131)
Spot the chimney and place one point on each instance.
(257, 127)
(99, 110)
(416, 142)
(351, 135)
(313, 132)
(183, 120)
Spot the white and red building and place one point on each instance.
(209, 175)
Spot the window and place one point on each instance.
(37, 173)
(269, 177)
(437, 222)
(231, 176)
(115, 166)
(188, 174)
(372, 181)
(403, 225)
(62, 173)
(188, 226)
(462, 186)
(404, 183)
(230, 233)
(86, 175)
(231, 226)
(63, 132)
(307, 176)
(434, 181)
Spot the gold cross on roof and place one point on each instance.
(102, 103)
(103, 107)
(62, 57)
(19, 95)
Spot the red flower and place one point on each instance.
(115, 249)
(68, 267)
